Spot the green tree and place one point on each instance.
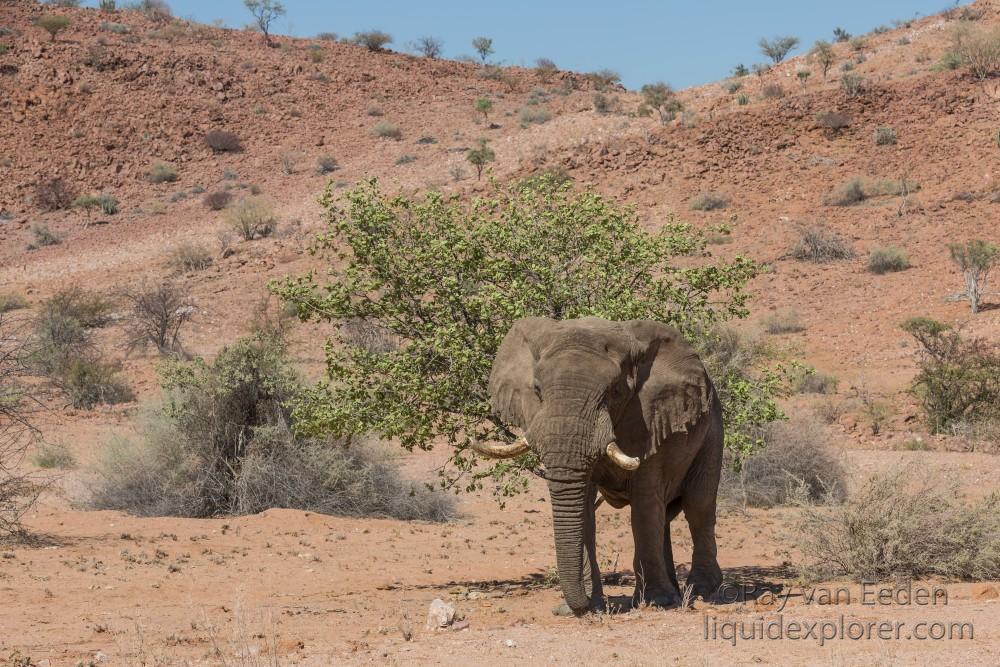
(479, 156)
(976, 259)
(484, 106)
(822, 51)
(265, 12)
(776, 49)
(52, 24)
(484, 47)
(661, 98)
(88, 203)
(447, 278)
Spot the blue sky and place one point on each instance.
(682, 43)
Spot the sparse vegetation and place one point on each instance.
(484, 47)
(782, 322)
(265, 12)
(484, 106)
(823, 53)
(90, 381)
(373, 40)
(820, 244)
(162, 172)
(386, 130)
(976, 259)
(54, 194)
(156, 314)
(841, 35)
(221, 141)
(480, 156)
(251, 218)
(429, 47)
(223, 444)
(849, 193)
(976, 48)
(534, 116)
(54, 456)
(18, 490)
(709, 201)
(10, 301)
(189, 256)
(772, 91)
(852, 84)
(776, 49)
(53, 24)
(833, 121)
(958, 380)
(887, 260)
(885, 136)
(326, 164)
(797, 463)
(218, 200)
(661, 98)
(605, 104)
(42, 236)
(902, 524)
(605, 79)
(546, 68)
(817, 383)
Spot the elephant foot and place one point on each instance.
(705, 581)
(563, 609)
(667, 600)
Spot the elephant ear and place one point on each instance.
(672, 384)
(511, 386)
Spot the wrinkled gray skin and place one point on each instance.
(574, 386)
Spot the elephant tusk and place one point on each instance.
(496, 450)
(621, 458)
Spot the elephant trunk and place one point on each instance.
(569, 505)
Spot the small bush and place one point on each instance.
(817, 383)
(545, 67)
(885, 136)
(776, 49)
(820, 244)
(326, 164)
(107, 203)
(189, 257)
(162, 172)
(852, 84)
(156, 314)
(252, 218)
(327, 36)
(742, 100)
(958, 380)
(902, 525)
(91, 382)
(429, 47)
(221, 141)
(797, 462)
(373, 40)
(833, 120)
(155, 10)
(386, 130)
(117, 28)
(54, 456)
(848, 194)
(887, 260)
(772, 91)
(53, 24)
(89, 308)
(42, 236)
(605, 104)
(534, 116)
(976, 259)
(709, 201)
(224, 445)
(604, 79)
(54, 195)
(405, 159)
(218, 200)
(12, 301)
(782, 322)
(976, 48)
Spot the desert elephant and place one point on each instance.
(626, 409)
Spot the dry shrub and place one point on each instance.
(162, 172)
(90, 381)
(252, 218)
(833, 120)
(12, 301)
(796, 462)
(820, 244)
(221, 141)
(887, 260)
(216, 201)
(709, 201)
(902, 524)
(885, 136)
(772, 91)
(977, 48)
(223, 444)
(17, 490)
(156, 315)
(54, 455)
(386, 130)
(89, 308)
(188, 257)
(783, 322)
(849, 193)
(54, 195)
(817, 383)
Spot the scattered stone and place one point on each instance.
(441, 614)
(510, 643)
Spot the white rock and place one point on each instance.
(441, 614)
(510, 643)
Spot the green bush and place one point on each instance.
(709, 201)
(901, 524)
(89, 308)
(53, 24)
(661, 98)
(958, 380)
(223, 444)
(776, 49)
(887, 260)
(162, 172)
(480, 156)
(530, 249)
(89, 382)
(820, 244)
(373, 40)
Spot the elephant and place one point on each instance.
(626, 410)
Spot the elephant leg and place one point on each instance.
(668, 557)
(653, 581)
(699, 505)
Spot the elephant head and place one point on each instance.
(591, 392)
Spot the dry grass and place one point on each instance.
(820, 244)
(797, 462)
(902, 524)
(887, 260)
(709, 201)
(783, 322)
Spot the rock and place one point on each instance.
(100, 656)
(460, 625)
(510, 643)
(985, 591)
(441, 614)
